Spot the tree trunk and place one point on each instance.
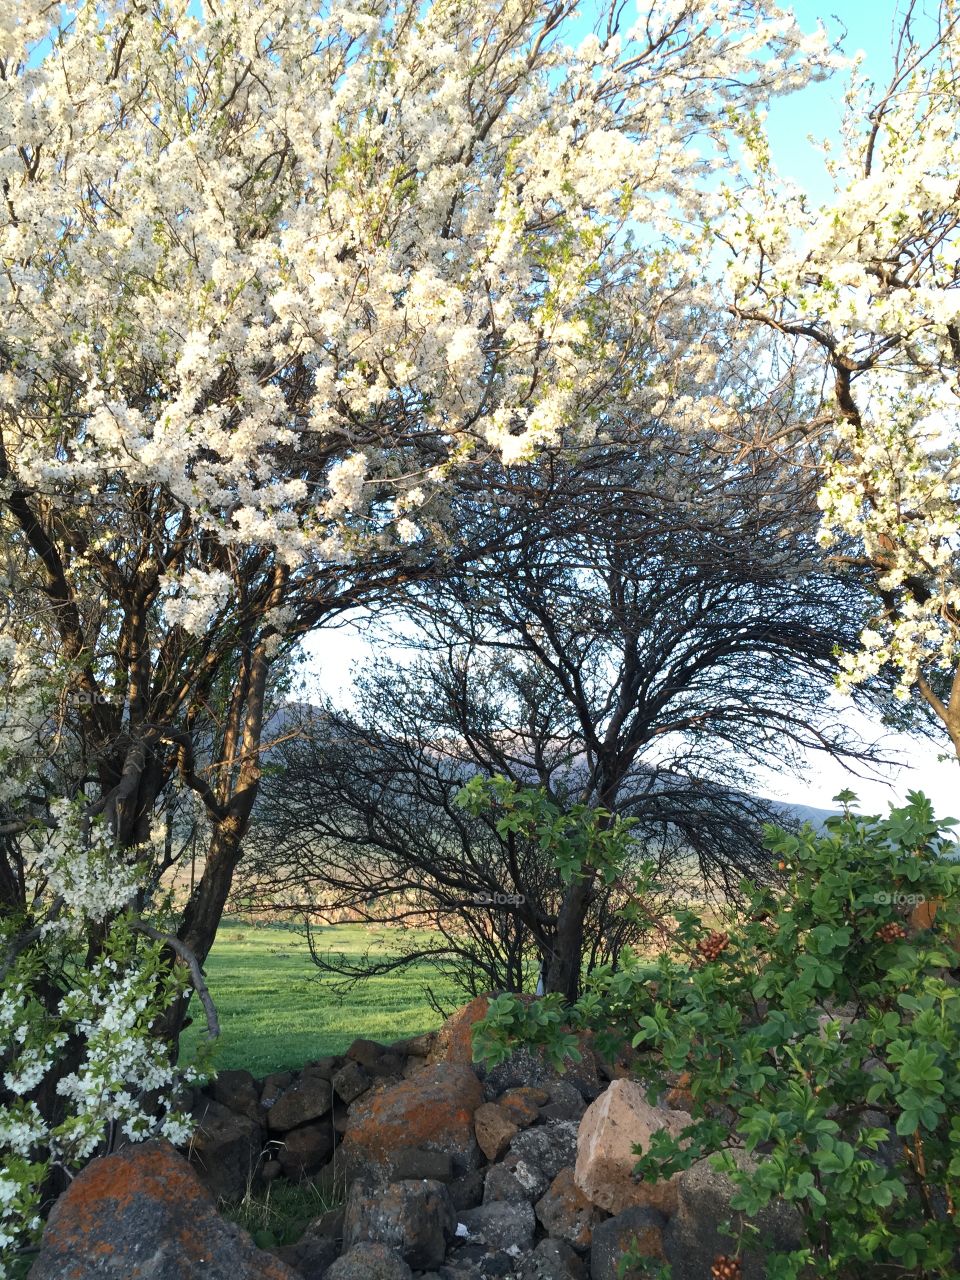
(563, 969)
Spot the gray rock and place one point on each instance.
(527, 1066)
(225, 1149)
(611, 1238)
(415, 1162)
(324, 1067)
(310, 1256)
(369, 1262)
(143, 1212)
(550, 1147)
(272, 1087)
(501, 1224)
(375, 1058)
(502, 1184)
(238, 1091)
(415, 1217)
(530, 1176)
(553, 1260)
(302, 1102)
(351, 1080)
(692, 1238)
(466, 1192)
(306, 1150)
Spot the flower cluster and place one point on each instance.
(871, 279)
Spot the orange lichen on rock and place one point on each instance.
(143, 1214)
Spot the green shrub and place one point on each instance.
(821, 1033)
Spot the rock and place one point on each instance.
(413, 1065)
(306, 1100)
(375, 1058)
(237, 1090)
(415, 1046)
(553, 1260)
(466, 1192)
(369, 1262)
(551, 1147)
(530, 1067)
(679, 1097)
(414, 1162)
(565, 1212)
(144, 1213)
(272, 1087)
(433, 1111)
(523, 1105)
(692, 1239)
(612, 1126)
(325, 1067)
(307, 1149)
(330, 1182)
(416, 1218)
(638, 1227)
(501, 1224)
(330, 1223)
(530, 1176)
(310, 1256)
(225, 1149)
(270, 1170)
(351, 1080)
(502, 1184)
(494, 1129)
(564, 1101)
(454, 1040)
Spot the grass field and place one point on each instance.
(277, 1011)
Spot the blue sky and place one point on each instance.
(867, 26)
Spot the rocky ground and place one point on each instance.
(448, 1173)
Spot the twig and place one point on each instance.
(196, 973)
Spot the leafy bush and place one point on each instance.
(820, 1034)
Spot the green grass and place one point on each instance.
(277, 1011)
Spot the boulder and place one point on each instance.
(565, 1212)
(415, 1217)
(376, 1059)
(272, 1087)
(466, 1192)
(501, 1224)
(310, 1256)
(237, 1090)
(619, 1120)
(324, 1067)
(454, 1041)
(551, 1146)
(351, 1080)
(528, 1067)
(307, 1149)
(143, 1214)
(369, 1262)
(494, 1129)
(692, 1239)
(637, 1227)
(530, 1176)
(553, 1260)
(302, 1102)
(564, 1101)
(414, 1162)
(433, 1111)
(523, 1105)
(225, 1149)
(502, 1184)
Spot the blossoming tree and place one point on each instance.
(272, 276)
(872, 280)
